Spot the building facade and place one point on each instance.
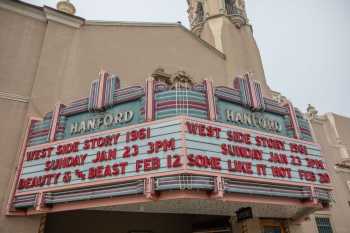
(151, 127)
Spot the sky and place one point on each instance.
(304, 44)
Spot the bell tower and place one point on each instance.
(224, 24)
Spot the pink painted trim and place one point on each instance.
(54, 124)
(18, 213)
(267, 200)
(184, 144)
(92, 204)
(149, 103)
(20, 160)
(210, 99)
(173, 195)
(257, 180)
(40, 201)
(105, 182)
(101, 90)
(149, 188)
(219, 187)
(252, 92)
(294, 120)
(184, 119)
(180, 171)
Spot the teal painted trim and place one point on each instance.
(223, 105)
(38, 140)
(133, 106)
(42, 125)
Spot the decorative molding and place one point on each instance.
(14, 97)
(55, 121)
(294, 120)
(149, 101)
(212, 113)
(63, 18)
(128, 23)
(160, 75)
(181, 79)
(42, 13)
(24, 9)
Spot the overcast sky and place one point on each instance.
(304, 44)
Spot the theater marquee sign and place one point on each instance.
(143, 133)
(160, 147)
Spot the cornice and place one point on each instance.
(42, 14)
(128, 23)
(24, 9)
(63, 18)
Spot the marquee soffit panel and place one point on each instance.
(170, 139)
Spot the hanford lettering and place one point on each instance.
(106, 120)
(253, 119)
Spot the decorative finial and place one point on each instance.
(66, 7)
(182, 80)
(311, 111)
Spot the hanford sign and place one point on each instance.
(256, 120)
(97, 122)
(147, 140)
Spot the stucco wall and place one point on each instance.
(20, 47)
(71, 58)
(242, 53)
(339, 212)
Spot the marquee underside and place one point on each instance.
(213, 207)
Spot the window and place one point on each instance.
(323, 225)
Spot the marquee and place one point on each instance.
(122, 135)
(179, 144)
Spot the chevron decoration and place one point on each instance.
(102, 91)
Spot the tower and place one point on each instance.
(224, 24)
